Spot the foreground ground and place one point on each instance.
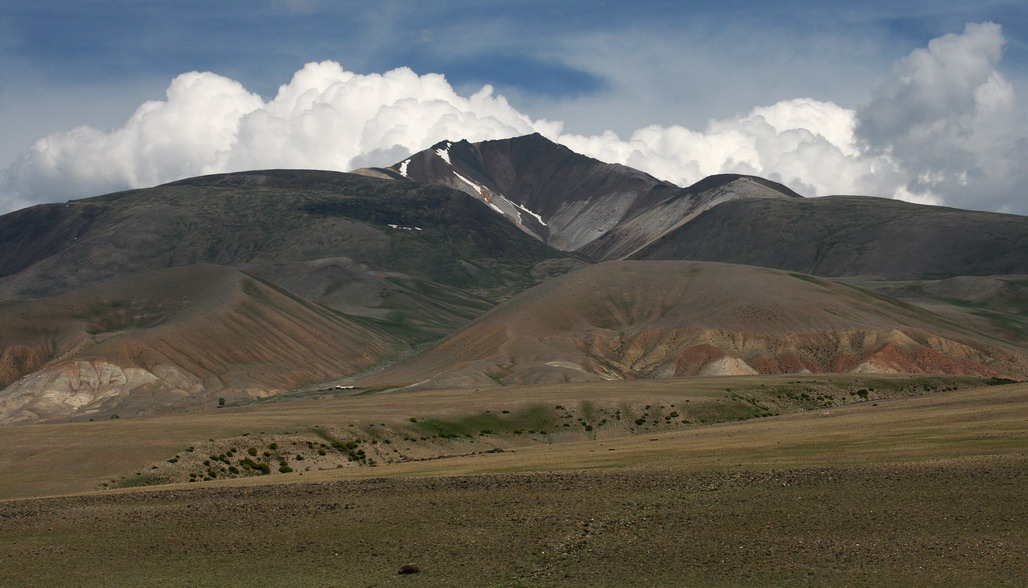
(924, 490)
(943, 524)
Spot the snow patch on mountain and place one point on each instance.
(537, 217)
(481, 192)
(499, 202)
(403, 167)
(478, 188)
(445, 153)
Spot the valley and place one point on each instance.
(922, 485)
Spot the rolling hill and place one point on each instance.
(624, 320)
(172, 339)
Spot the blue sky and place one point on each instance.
(593, 66)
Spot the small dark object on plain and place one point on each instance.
(409, 569)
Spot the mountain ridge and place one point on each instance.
(852, 236)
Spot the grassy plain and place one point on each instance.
(40, 460)
(921, 486)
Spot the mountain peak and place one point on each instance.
(571, 201)
(561, 197)
(718, 180)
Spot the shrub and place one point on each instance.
(1000, 381)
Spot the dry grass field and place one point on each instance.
(921, 483)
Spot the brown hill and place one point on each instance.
(996, 305)
(662, 319)
(170, 340)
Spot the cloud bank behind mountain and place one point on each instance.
(945, 127)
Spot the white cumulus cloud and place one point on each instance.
(804, 143)
(946, 127)
(953, 124)
(324, 118)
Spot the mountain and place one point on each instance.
(570, 201)
(424, 256)
(238, 285)
(175, 338)
(606, 212)
(652, 225)
(624, 320)
(852, 236)
(254, 283)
